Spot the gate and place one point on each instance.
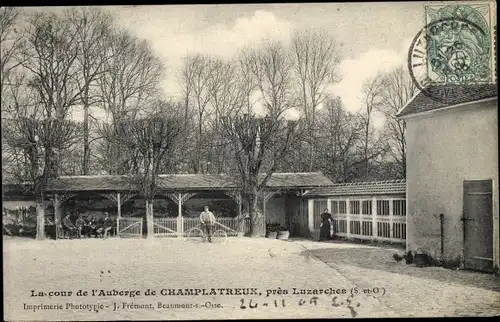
(478, 225)
(129, 227)
(229, 225)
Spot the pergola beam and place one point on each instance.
(179, 199)
(119, 199)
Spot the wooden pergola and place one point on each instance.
(177, 187)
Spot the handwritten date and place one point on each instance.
(313, 301)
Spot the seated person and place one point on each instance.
(100, 227)
(92, 226)
(79, 225)
(86, 230)
(68, 225)
(107, 224)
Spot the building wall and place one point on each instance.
(365, 215)
(276, 210)
(444, 149)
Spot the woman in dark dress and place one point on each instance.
(326, 221)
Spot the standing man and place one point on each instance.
(207, 220)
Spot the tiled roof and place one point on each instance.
(186, 182)
(464, 94)
(298, 179)
(390, 187)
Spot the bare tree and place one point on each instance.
(133, 74)
(397, 90)
(41, 127)
(372, 100)
(153, 137)
(92, 32)
(316, 57)
(197, 72)
(259, 142)
(10, 44)
(38, 136)
(50, 57)
(339, 142)
(226, 97)
(254, 141)
(20, 103)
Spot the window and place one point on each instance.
(399, 207)
(366, 207)
(342, 207)
(334, 207)
(383, 207)
(354, 207)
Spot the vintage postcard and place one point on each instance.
(250, 161)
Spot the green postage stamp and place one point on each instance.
(460, 43)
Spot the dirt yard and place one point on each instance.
(265, 266)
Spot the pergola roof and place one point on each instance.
(390, 187)
(187, 182)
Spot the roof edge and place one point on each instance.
(398, 113)
(444, 108)
(361, 183)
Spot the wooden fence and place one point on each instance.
(165, 227)
(368, 219)
(169, 227)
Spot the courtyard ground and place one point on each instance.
(381, 287)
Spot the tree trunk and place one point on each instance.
(149, 219)
(86, 145)
(40, 218)
(311, 156)
(257, 224)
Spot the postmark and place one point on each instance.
(452, 55)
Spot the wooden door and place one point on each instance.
(478, 225)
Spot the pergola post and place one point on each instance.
(310, 215)
(149, 218)
(179, 198)
(119, 205)
(119, 213)
(180, 224)
(374, 219)
(119, 199)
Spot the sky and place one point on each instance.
(375, 37)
